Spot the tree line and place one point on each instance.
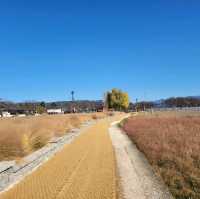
(182, 102)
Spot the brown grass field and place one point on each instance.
(171, 143)
(21, 136)
(84, 169)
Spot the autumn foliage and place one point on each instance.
(117, 100)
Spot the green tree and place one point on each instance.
(40, 109)
(53, 105)
(117, 100)
(43, 104)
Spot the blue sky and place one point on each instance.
(148, 48)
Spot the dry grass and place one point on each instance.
(20, 136)
(84, 169)
(171, 143)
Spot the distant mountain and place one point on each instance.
(82, 105)
(189, 101)
(79, 105)
(196, 97)
(158, 103)
(65, 105)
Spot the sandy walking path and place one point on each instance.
(137, 178)
(84, 169)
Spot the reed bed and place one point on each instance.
(171, 143)
(21, 136)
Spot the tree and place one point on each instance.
(43, 104)
(182, 102)
(141, 106)
(53, 105)
(117, 99)
(40, 109)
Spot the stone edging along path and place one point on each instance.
(137, 178)
(12, 172)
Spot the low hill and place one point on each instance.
(81, 105)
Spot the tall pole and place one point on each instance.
(72, 93)
(145, 95)
(136, 105)
(73, 109)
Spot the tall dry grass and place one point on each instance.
(21, 136)
(83, 170)
(172, 145)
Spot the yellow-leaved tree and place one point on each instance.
(117, 99)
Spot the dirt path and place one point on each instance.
(82, 170)
(137, 178)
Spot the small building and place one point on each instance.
(6, 114)
(21, 115)
(16, 112)
(55, 111)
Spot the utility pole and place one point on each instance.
(73, 108)
(136, 105)
(144, 106)
(72, 93)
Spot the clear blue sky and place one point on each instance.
(150, 48)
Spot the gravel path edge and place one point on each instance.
(135, 173)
